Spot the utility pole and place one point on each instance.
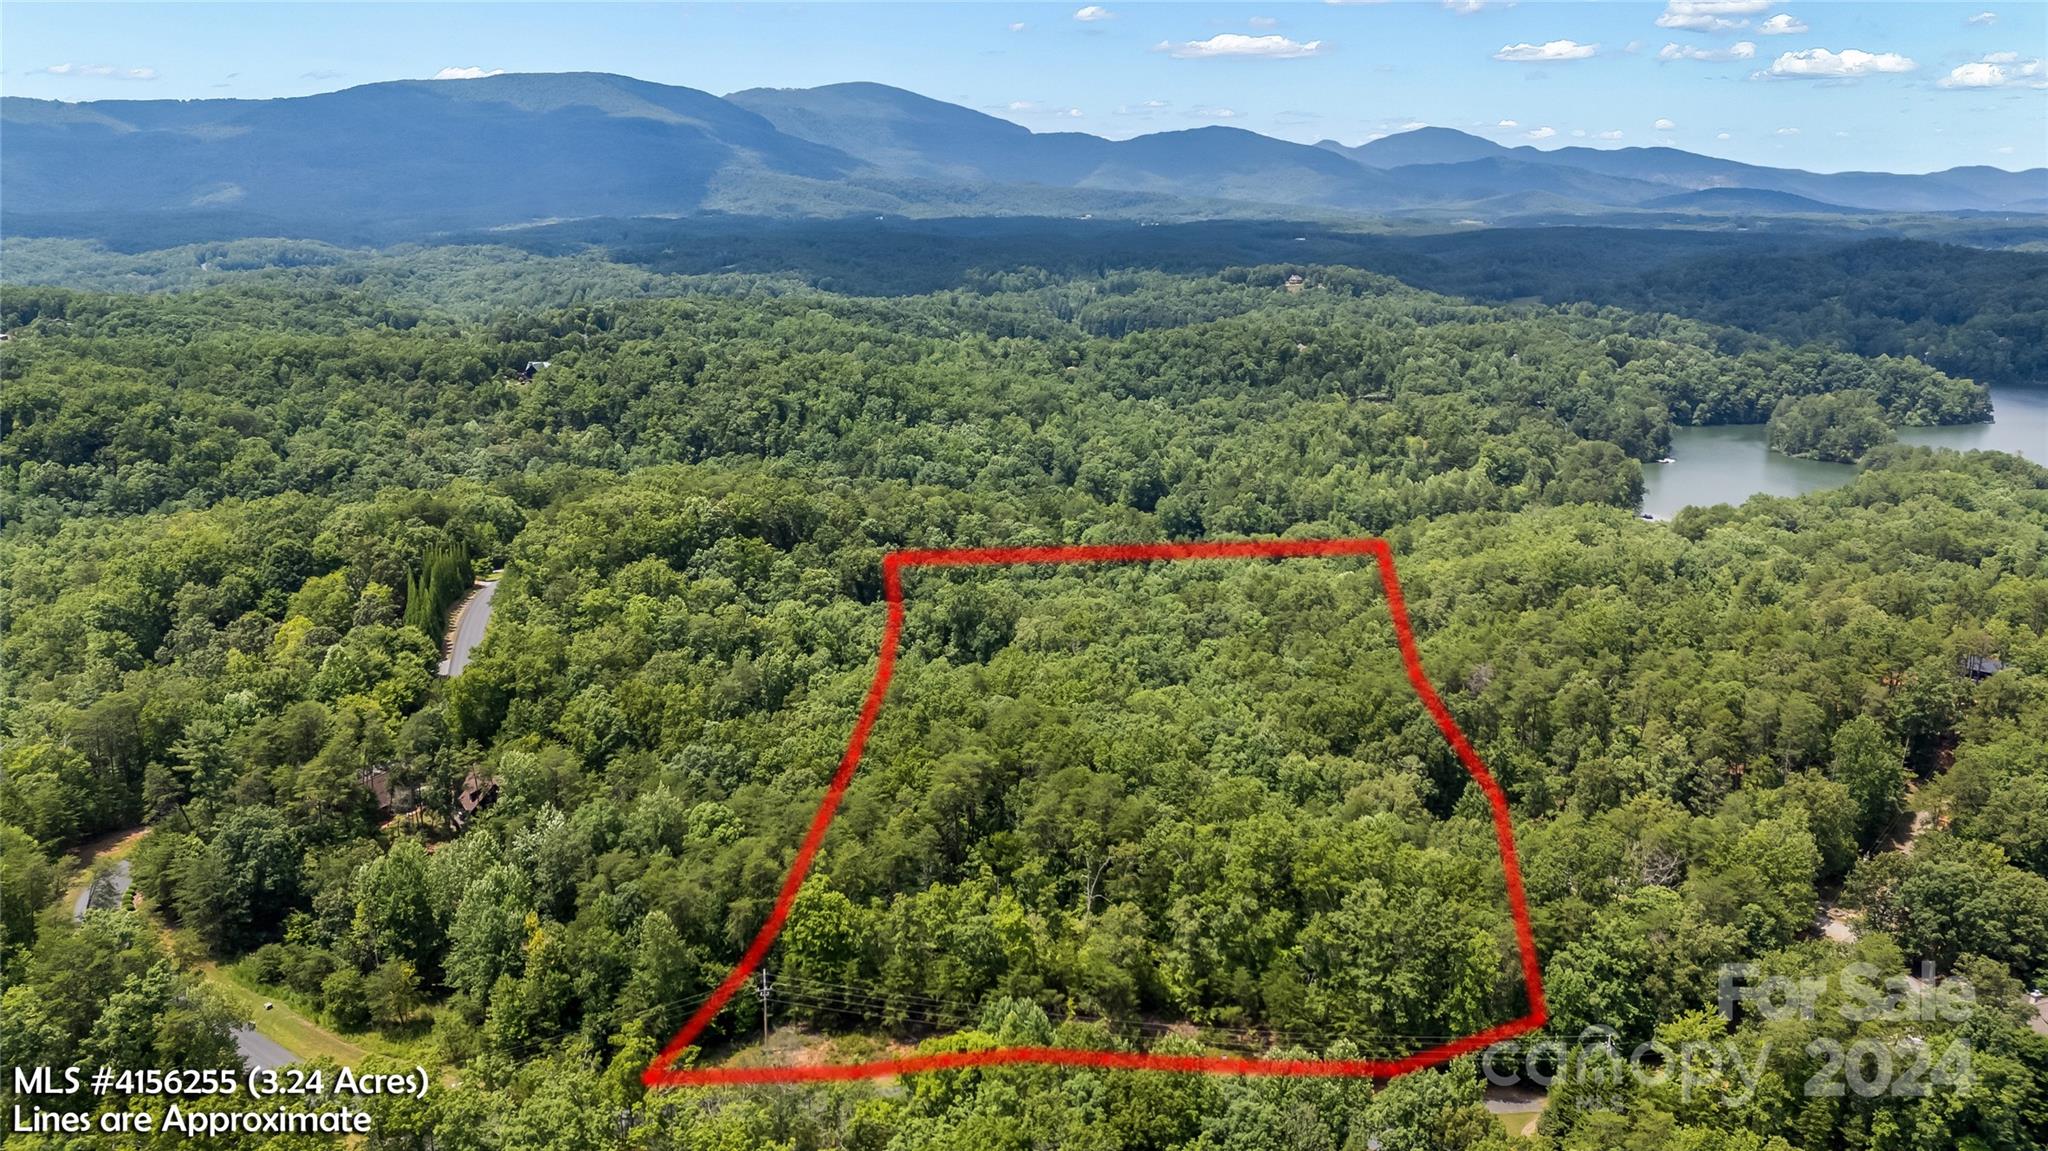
(762, 989)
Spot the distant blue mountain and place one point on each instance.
(432, 153)
(416, 157)
(906, 135)
(1420, 146)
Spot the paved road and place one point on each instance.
(470, 620)
(260, 1051)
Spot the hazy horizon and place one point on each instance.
(1903, 88)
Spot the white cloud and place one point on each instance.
(100, 72)
(1540, 133)
(1464, 7)
(1722, 136)
(1019, 26)
(1508, 124)
(1664, 124)
(2006, 150)
(1550, 50)
(1092, 13)
(470, 73)
(1153, 104)
(1709, 15)
(1262, 22)
(1237, 44)
(1414, 125)
(1783, 25)
(1998, 70)
(1216, 113)
(1819, 62)
(1983, 18)
(1611, 135)
(1740, 50)
(1788, 131)
(1034, 108)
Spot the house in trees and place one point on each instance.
(1982, 667)
(478, 792)
(392, 797)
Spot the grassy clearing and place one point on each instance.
(408, 1046)
(281, 1024)
(291, 1026)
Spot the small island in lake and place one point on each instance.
(1837, 427)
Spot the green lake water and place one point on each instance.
(1730, 463)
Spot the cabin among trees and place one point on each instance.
(394, 797)
(1982, 667)
(391, 796)
(478, 792)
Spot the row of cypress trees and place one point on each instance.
(443, 576)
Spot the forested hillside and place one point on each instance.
(1188, 808)
(1947, 295)
(1133, 388)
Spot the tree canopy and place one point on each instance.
(1181, 807)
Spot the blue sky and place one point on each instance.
(1825, 86)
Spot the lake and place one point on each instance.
(1729, 463)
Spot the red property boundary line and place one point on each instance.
(659, 1074)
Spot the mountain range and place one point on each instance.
(408, 158)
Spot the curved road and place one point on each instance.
(471, 618)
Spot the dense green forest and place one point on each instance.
(1835, 426)
(1166, 807)
(1975, 313)
(1128, 388)
(1948, 291)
